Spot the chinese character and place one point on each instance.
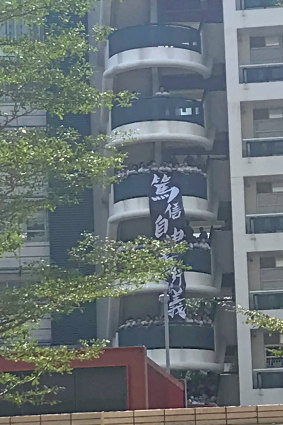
(176, 273)
(174, 211)
(161, 226)
(178, 235)
(176, 304)
(155, 179)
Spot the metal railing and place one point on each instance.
(261, 73)
(267, 300)
(268, 378)
(270, 146)
(257, 4)
(154, 35)
(181, 336)
(156, 108)
(264, 223)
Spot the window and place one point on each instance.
(14, 29)
(272, 41)
(268, 41)
(275, 113)
(257, 42)
(267, 262)
(277, 187)
(261, 114)
(36, 228)
(271, 359)
(264, 187)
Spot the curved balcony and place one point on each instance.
(191, 346)
(129, 198)
(162, 118)
(199, 280)
(155, 45)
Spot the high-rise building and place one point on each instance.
(207, 76)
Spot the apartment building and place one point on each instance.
(220, 65)
(172, 55)
(253, 38)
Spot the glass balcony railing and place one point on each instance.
(154, 35)
(181, 336)
(268, 379)
(137, 186)
(157, 108)
(267, 300)
(257, 4)
(265, 223)
(264, 147)
(198, 259)
(262, 73)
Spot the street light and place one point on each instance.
(164, 298)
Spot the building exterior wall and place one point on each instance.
(245, 173)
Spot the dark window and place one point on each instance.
(257, 42)
(267, 262)
(264, 187)
(261, 114)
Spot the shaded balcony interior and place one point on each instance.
(195, 45)
(204, 182)
(126, 14)
(198, 258)
(260, 54)
(266, 280)
(267, 367)
(262, 128)
(194, 10)
(264, 204)
(256, 4)
(141, 322)
(210, 268)
(191, 99)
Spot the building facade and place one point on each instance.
(208, 80)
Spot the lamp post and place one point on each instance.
(164, 298)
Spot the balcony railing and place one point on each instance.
(137, 186)
(264, 223)
(154, 35)
(264, 147)
(157, 108)
(181, 336)
(257, 4)
(262, 73)
(270, 378)
(199, 260)
(267, 300)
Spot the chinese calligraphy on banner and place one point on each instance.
(168, 220)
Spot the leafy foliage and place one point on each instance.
(45, 69)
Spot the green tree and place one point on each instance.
(45, 68)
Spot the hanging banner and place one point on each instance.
(169, 222)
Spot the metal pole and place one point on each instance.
(165, 298)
